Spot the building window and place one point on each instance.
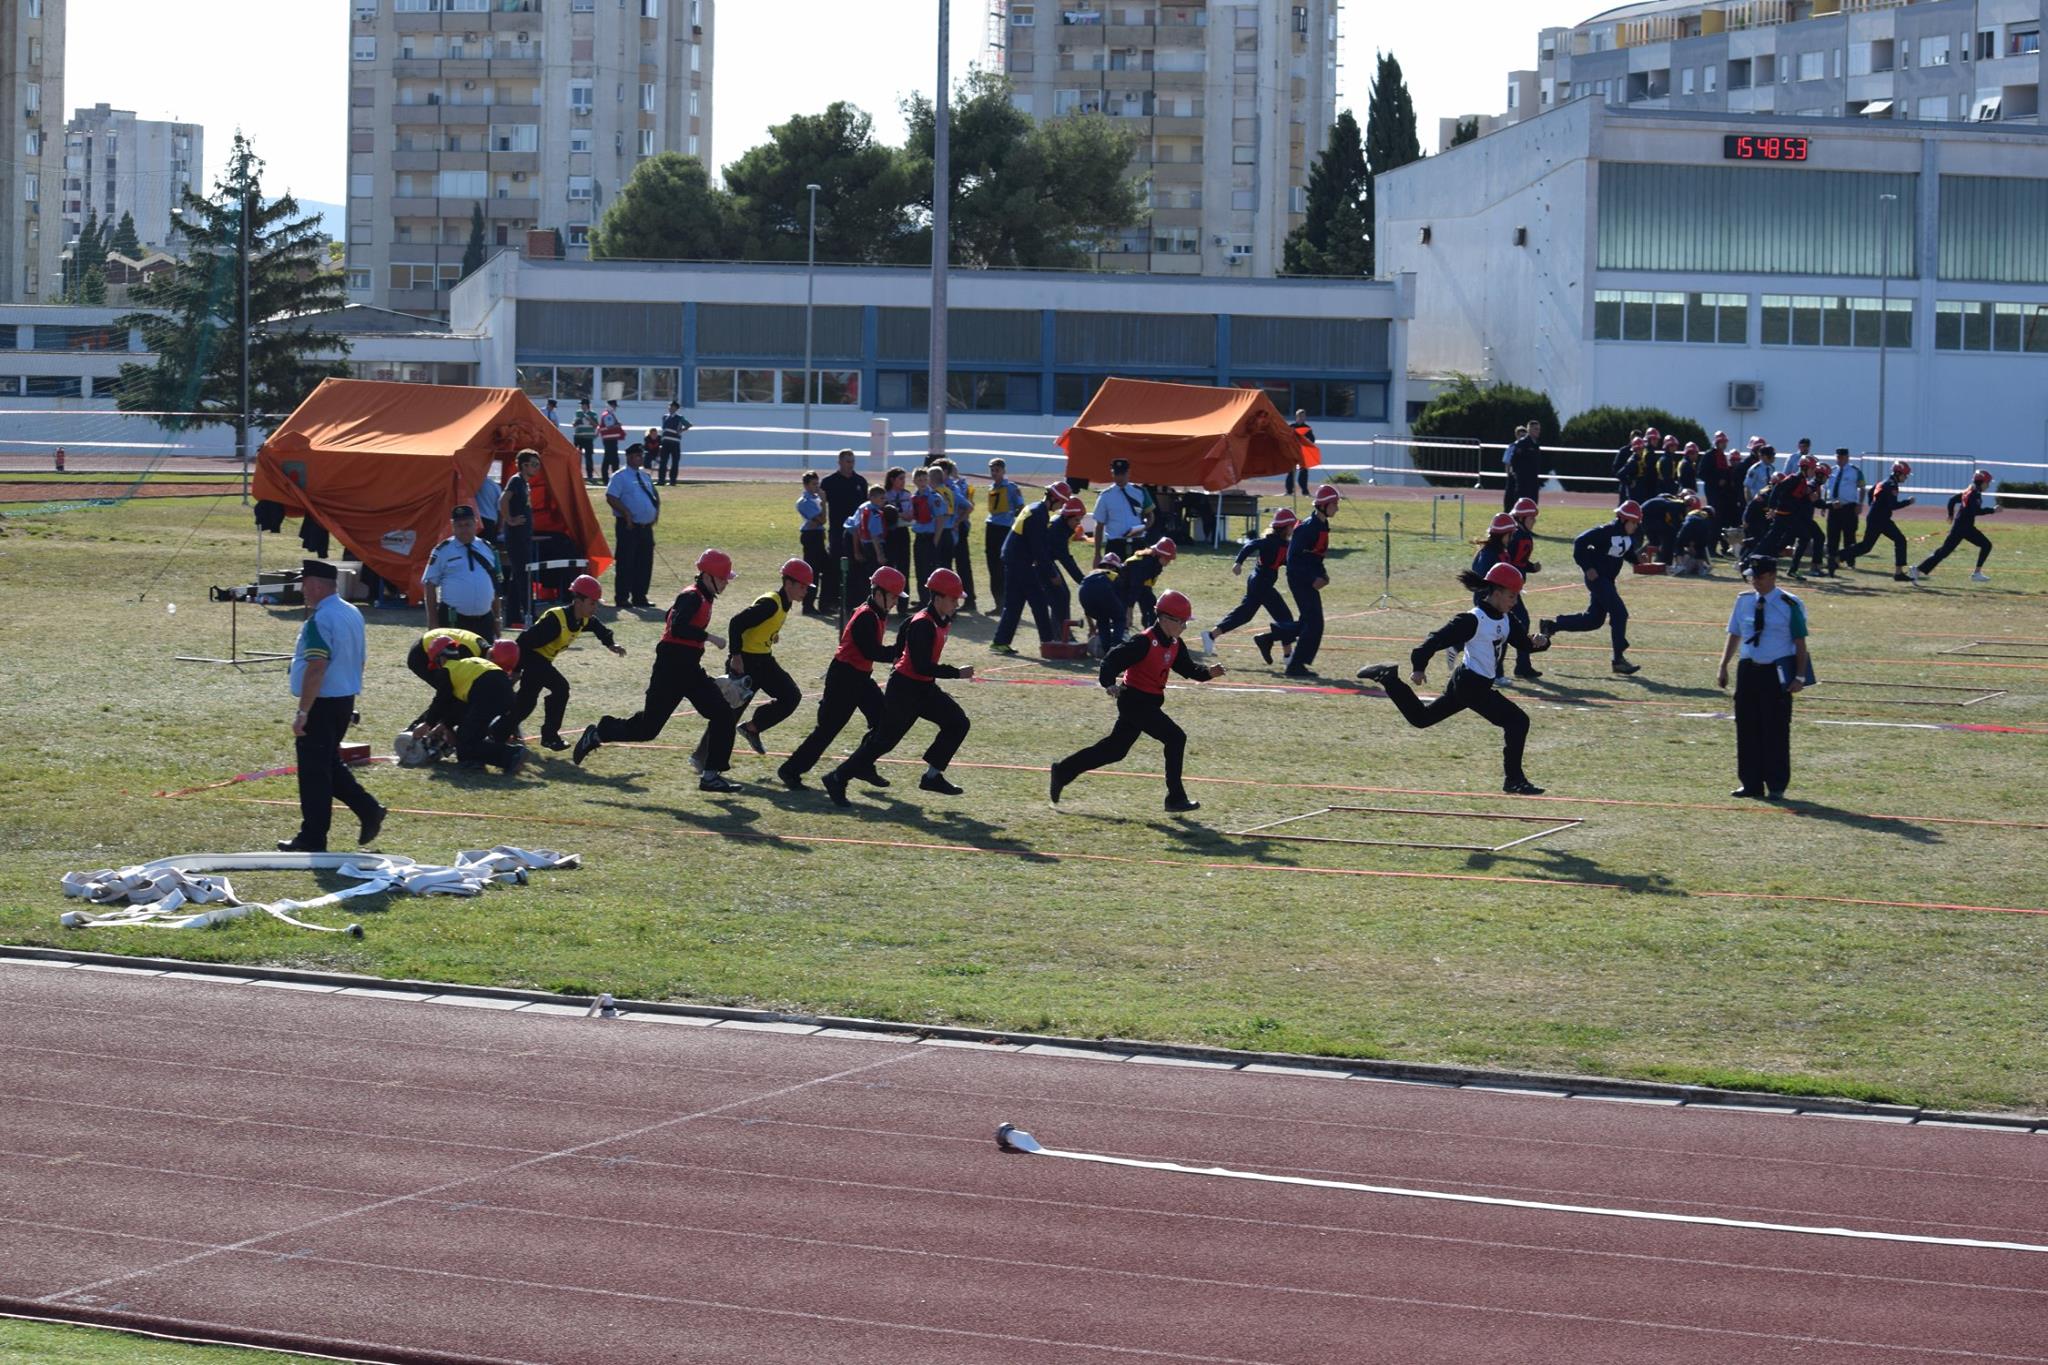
(580, 187)
(1685, 79)
(579, 140)
(2020, 328)
(515, 137)
(1640, 315)
(647, 142)
(361, 186)
(582, 6)
(1709, 74)
(581, 97)
(31, 187)
(358, 281)
(647, 96)
(1833, 320)
(364, 48)
(1934, 108)
(53, 386)
(1023, 16)
(650, 9)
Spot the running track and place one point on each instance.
(393, 1180)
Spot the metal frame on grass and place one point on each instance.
(1551, 823)
(2000, 649)
(1973, 695)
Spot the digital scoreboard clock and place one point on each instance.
(1749, 147)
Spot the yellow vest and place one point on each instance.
(571, 628)
(761, 639)
(463, 673)
(471, 643)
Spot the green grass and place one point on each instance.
(726, 900)
(41, 1343)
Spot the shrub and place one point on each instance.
(1607, 429)
(1468, 413)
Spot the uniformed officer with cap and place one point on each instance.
(326, 675)
(1768, 629)
(462, 574)
(1123, 514)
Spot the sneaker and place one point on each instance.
(373, 825)
(1003, 649)
(1913, 575)
(1532, 674)
(935, 781)
(872, 777)
(1899, 576)
(1265, 646)
(555, 742)
(586, 744)
(791, 778)
(1746, 792)
(1624, 666)
(517, 761)
(716, 782)
(1522, 786)
(1181, 804)
(1058, 784)
(835, 787)
(1208, 642)
(753, 739)
(1980, 577)
(1546, 626)
(1380, 673)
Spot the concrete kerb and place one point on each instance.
(1560, 1085)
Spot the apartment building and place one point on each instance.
(1932, 60)
(537, 111)
(1230, 103)
(31, 105)
(116, 163)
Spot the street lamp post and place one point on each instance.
(810, 297)
(942, 178)
(1884, 306)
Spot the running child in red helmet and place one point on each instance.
(914, 694)
(850, 679)
(1139, 572)
(679, 676)
(1885, 503)
(1268, 554)
(1963, 510)
(1600, 553)
(754, 632)
(553, 631)
(1135, 674)
(1307, 577)
(1509, 541)
(1481, 636)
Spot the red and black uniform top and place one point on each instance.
(1271, 549)
(1145, 659)
(860, 644)
(1521, 548)
(1885, 500)
(922, 640)
(1306, 550)
(1965, 507)
(689, 621)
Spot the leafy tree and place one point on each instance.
(92, 287)
(194, 326)
(1468, 413)
(865, 190)
(125, 239)
(1466, 131)
(1334, 237)
(473, 254)
(1605, 430)
(668, 211)
(1391, 140)
(1023, 193)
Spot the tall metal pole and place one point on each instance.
(942, 241)
(1884, 306)
(242, 234)
(810, 297)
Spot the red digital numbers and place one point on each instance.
(1743, 147)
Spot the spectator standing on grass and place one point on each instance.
(1963, 510)
(897, 505)
(1526, 467)
(1135, 674)
(1297, 477)
(611, 431)
(548, 411)
(868, 535)
(962, 562)
(1761, 465)
(1844, 501)
(516, 517)
(1122, 514)
(584, 431)
(488, 495)
(673, 425)
(1005, 501)
(846, 491)
(810, 516)
(326, 675)
(1768, 629)
(1307, 576)
(1884, 505)
(462, 576)
(636, 507)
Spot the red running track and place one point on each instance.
(386, 1179)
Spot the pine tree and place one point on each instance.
(1466, 131)
(125, 239)
(1391, 140)
(473, 254)
(194, 327)
(1335, 181)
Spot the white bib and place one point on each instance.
(1488, 645)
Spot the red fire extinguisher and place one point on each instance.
(60, 459)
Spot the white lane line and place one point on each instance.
(1014, 1139)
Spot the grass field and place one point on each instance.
(1107, 917)
(38, 1343)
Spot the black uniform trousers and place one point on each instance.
(518, 581)
(1520, 612)
(897, 543)
(669, 462)
(587, 447)
(1957, 534)
(1882, 526)
(960, 548)
(1811, 543)
(1604, 609)
(992, 538)
(322, 774)
(1308, 634)
(1469, 692)
(480, 738)
(634, 569)
(773, 680)
(1763, 728)
(847, 690)
(1260, 591)
(906, 702)
(611, 458)
(1059, 601)
(1841, 534)
(813, 543)
(924, 555)
(1137, 713)
(678, 677)
(537, 675)
(1023, 586)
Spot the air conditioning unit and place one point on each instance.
(469, 85)
(519, 177)
(522, 37)
(1745, 395)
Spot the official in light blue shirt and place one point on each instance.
(635, 492)
(1759, 476)
(333, 633)
(462, 573)
(487, 495)
(1768, 628)
(326, 675)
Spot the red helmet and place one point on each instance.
(800, 570)
(1651, 431)
(1756, 441)
(1074, 508)
(1165, 548)
(505, 654)
(1629, 511)
(1809, 463)
(1692, 500)
(1692, 447)
(1981, 476)
(440, 647)
(1059, 491)
(1635, 443)
(1505, 576)
(888, 579)
(586, 586)
(1112, 560)
(717, 563)
(1900, 469)
(1525, 507)
(1285, 520)
(944, 583)
(1327, 496)
(1176, 605)
(1720, 436)
(1501, 525)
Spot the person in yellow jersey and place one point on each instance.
(429, 733)
(754, 632)
(554, 631)
(484, 687)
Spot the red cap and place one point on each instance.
(1692, 500)
(1176, 605)
(1060, 490)
(1981, 476)
(717, 563)
(944, 583)
(1285, 520)
(1900, 469)
(1501, 525)
(1525, 507)
(1112, 560)
(1327, 496)
(1165, 548)
(1505, 576)
(1074, 508)
(800, 570)
(586, 586)
(1629, 511)
(889, 579)
(505, 654)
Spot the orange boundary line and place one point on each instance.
(1284, 868)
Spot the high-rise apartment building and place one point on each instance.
(31, 125)
(1231, 102)
(1931, 60)
(116, 163)
(536, 110)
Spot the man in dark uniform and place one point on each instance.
(1884, 505)
(1268, 554)
(543, 642)
(673, 425)
(515, 514)
(845, 490)
(1963, 510)
(1526, 467)
(850, 680)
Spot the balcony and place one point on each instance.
(1176, 263)
(1079, 36)
(510, 14)
(527, 208)
(1178, 80)
(1128, 35)
(473, 114)
(465, 68)
(1178, 126)
(1176, 172)
(415, 161)
(528, 162)
(419, 206)
(1181, 36)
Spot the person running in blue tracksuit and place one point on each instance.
(1027, 552)
(1600, 553)
(1306, 579)
(1268, 554)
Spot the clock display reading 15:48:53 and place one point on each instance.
(1751, 147)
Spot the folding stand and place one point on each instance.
(236, 658)
(1386, 597)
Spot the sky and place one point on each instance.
(278, 69)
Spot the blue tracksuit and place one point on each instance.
(1104, 604)
(1059, 545)
(1267, 554)
(1304, 566)
(1601, 552)
(1135, 582)
(1027, 551)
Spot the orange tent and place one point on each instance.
(381, 465)
(1183, 436)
